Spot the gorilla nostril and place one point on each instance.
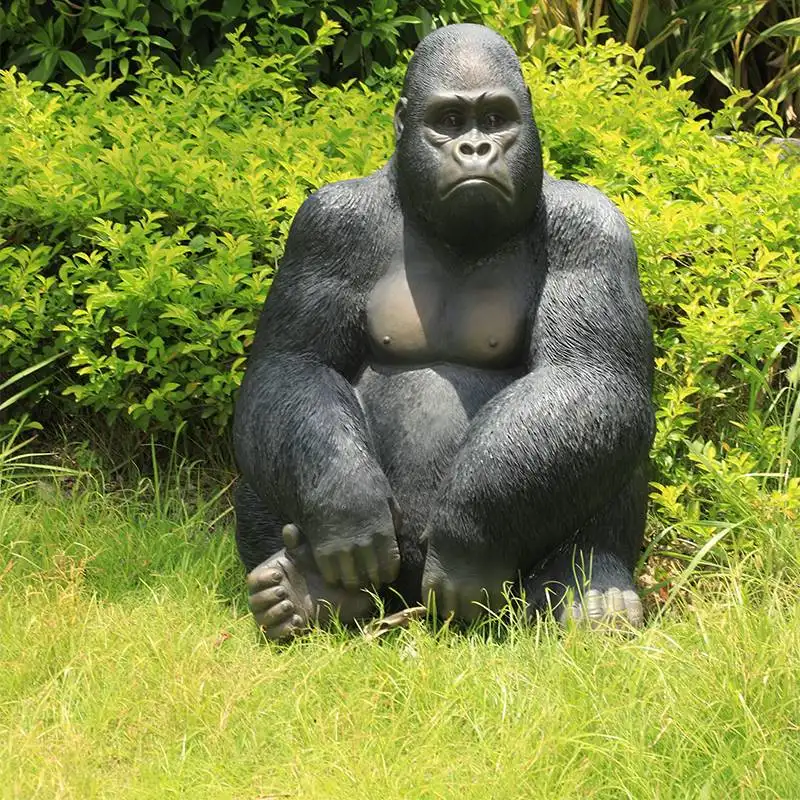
(471, 149)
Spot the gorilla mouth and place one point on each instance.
(478, 180)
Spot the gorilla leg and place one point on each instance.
(258, 532)
(286, 590)
(596, 565)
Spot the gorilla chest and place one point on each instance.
(420, 312)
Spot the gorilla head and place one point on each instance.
(469, 164)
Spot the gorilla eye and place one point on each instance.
(494, 121)
(451, 120)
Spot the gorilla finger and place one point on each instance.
(347, 570)
(286, 630)
(275, 615)
(469, 607)
(368, 562)
(291, 536)
(615, 603)
(260, 601)
(633, 606)
(389, 562)
(447, 602)
(594, 605)
(327, 567)
(262, 577)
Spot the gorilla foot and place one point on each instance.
(612, 608)
(588, 588)
(287, 595)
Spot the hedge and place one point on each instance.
(140, 236)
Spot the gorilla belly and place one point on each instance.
(418, 416)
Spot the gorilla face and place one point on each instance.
(473, 132)
(468, 156)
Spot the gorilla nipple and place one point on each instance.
(492, 342)
(387, 340)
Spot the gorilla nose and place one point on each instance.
(472, 149)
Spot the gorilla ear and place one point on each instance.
(400, 118)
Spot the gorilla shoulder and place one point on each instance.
(344, 211)
(581, 219)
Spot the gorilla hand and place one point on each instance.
(457, 578)
(357, 549)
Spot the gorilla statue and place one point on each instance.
(449, 393)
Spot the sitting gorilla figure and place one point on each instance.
(449, 388)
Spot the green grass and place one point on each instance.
(129, 668)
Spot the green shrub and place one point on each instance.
(61, 39)
(140, 235)
(748, 48)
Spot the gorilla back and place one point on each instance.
(449, 390)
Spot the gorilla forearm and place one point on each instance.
(297, 421)
(541, 458)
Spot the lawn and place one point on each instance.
(130, 669)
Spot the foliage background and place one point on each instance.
(726, 45)
(139, 233)
(62, 38)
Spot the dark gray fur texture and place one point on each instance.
(518, 469)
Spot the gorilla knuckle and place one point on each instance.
(365, 542)
(260, 578)
(330, 550)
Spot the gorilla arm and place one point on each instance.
(300, 435)
(550, 450)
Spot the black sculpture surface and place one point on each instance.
(450, 383)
